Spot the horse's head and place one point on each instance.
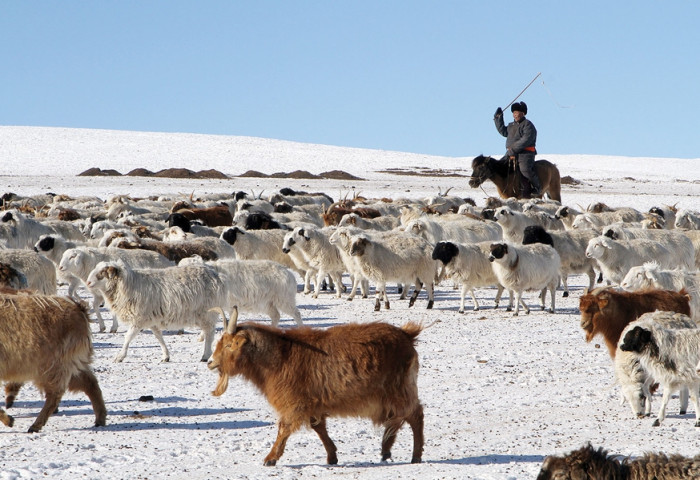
(481, 171)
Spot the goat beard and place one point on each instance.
(221, 385)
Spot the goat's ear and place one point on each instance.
(603, 300)
(112, 272)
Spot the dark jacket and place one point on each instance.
(519, 136)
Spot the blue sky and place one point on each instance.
(620, 78)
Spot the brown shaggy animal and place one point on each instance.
(334, 213)
(219, 216)
(587, 463)
(607, 312)
(508, 184)
(172, 251)
(356, 370)
(46, 339)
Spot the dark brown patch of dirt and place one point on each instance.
(211, 173)
(299, 174)
(424, 172)
(187, 173)
(140, 172)
(339, 175)
(567, 180)
(98, 172)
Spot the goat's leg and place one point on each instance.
(462, 296)
(431, 295)
(696, 403)
(274, 315)
(96, 302)
(498, 296)
(510, 301)
(683, 395)
(297, 317)
(552, 291)
(128, 337)
(320, 275)
(416, 291)
(307, 281)
(11, 391)
(164, 348)
(415, 420)
(662, 409)
(319, 426)
(86, 382)
(353, 290)
(391, 428)
(53, 398)
(284, 430)
(6, 419)
(208, 333)
(565, 282)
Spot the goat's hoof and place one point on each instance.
(167, 359)
(430, 304)
(386, 305)
(34, 429)
(332, 460)
(349, 299)
(682, 412)
(460, 311)
(386, 456)
(509, 309)
(656, 423)
(565, 294)
(697, 424)
(416, 460)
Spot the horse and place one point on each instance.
(507, 179)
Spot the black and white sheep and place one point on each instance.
(468, 265)
(526, 267)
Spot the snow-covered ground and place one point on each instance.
(500, 392)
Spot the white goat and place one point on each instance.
(599, 220)
(257, 286)
(322, 256)
(464, 230)
(80, 261)
(38, 270)
(468, 265)
(671, 357)
(382, 223)
(161, 299)
(526, 267)
(616, 257)
(395, 258)
(650, 275)
(341, 238)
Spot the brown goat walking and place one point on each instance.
(46, 339)
(363, 370)
(607, 312)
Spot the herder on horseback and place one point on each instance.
(521, 137)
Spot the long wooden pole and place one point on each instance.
(522, 91)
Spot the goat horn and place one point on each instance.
(231, 325)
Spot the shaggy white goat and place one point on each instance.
(80, 261)
(462, 230)
(38, 270)
(671, 357)
(24, 231)
(162, 299)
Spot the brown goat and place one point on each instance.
(607, 312)
(587, 463)
(171, 251)
(46, 339)
(219, 216)
(333, 215)
(366, 370)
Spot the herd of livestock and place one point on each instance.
(168, 263)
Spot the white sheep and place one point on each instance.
(80, 261)
(257, 286)
(689, 219)
(341, 238)
(468, 265)
(396, 257)
(38, 270)
(461, 230)
(161, 299)
(526, 267)
(671, 357)
(513, 223)
(650, 275)
(616, 257)
(567, 215)
(675, 241)
(24, 231)
(597, 221)
(321, 256)
(632, 377)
